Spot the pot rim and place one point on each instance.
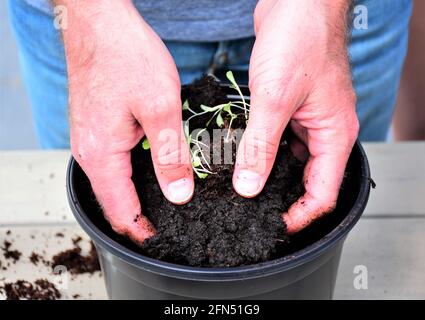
(225, 273)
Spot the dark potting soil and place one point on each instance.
(41, 289)
(218, 228)
(14, 255)
(75, 262)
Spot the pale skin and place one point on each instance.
(123, 84)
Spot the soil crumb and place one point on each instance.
(41, 289)
(35, 258)
(76, 240)
(10, 254)
(75, 262)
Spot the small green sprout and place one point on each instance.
(234, 85)
(145, 144)
(186, 105)
(219, 112)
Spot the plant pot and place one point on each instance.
(308, 272)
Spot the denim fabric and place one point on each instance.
(377, 54)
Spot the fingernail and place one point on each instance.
(248, 183)
(180, 191)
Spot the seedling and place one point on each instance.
(218, 113)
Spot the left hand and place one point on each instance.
(300, 75)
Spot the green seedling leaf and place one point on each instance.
(219, 120)
(145, 144)
(209, 109)
(227, 108)
(186, 105)
(196, 161)
(231, 77)
(201, 175)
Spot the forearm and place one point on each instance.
(94, 25)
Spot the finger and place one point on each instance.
(110, 178)
(162, 124)
(260, 142)
(323, 175)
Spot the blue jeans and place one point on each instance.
(377, 54)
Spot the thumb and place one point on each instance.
(169, 150)
(259, 144)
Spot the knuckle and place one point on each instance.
(170, 167)
(85, 142)
(168, 157)
(118, 226)
(261, 145)
(256, 152)
(162, 107)
(268, 98)
(86, 153)
(326, 203)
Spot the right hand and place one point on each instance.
(123, 84)
(299, 76)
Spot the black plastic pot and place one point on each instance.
(308, 271)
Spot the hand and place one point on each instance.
(123, 84)
(299, 75)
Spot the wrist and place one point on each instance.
(306, 11)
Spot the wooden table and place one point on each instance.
(389, 240)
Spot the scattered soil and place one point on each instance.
(218, 228)
(8, 232)
(75, 262)
(41, 289)
(36, 258)
(59, 235)
(76, 240)
(10, 254)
